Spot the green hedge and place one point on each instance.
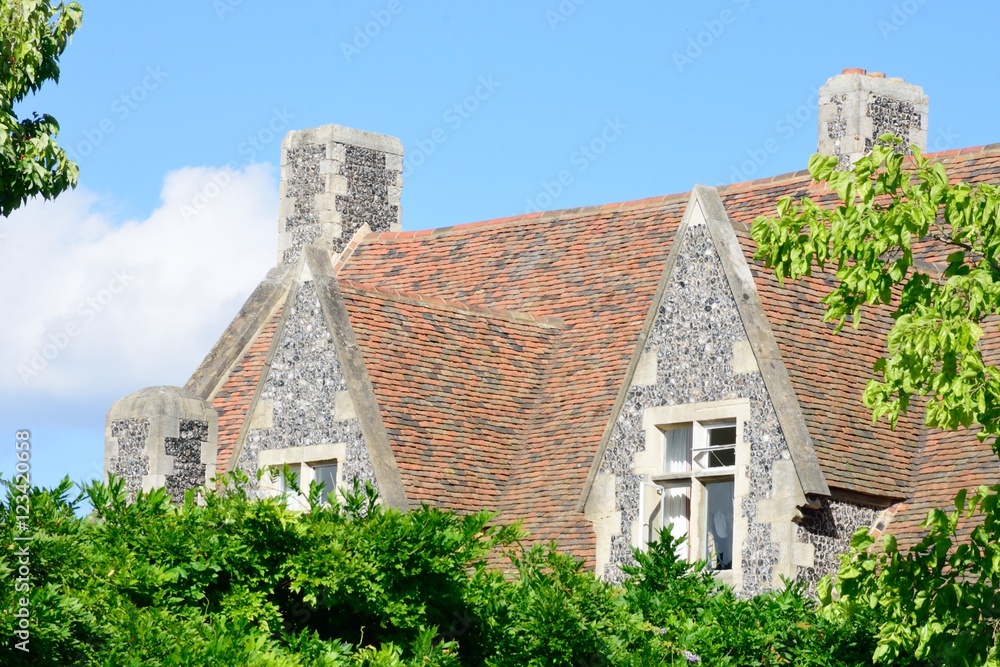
(233, 580)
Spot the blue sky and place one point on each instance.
(175, 112)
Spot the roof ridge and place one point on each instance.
(545, 321)
(629, 204)
(791, 175)
(767, 180)
(632, 204)
(968, 150)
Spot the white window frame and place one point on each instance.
(305, 458)
(652, 463)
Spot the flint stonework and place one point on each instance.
(302, 384)
(693, 335)
(829, 529)
(189, 471)
(367, 199)
(132, 462)
(302, 184)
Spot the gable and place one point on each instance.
(702, 355)
(303, 397)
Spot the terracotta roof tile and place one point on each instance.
(233, 399)
(457, 388)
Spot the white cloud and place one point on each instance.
(94, 304)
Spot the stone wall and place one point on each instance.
(161, 436)
(189, 471)
(304, 385)
(829, 530)
(857, 107)
(890, 116)
(132, 461)
(302, 182)
(368, 198)
(693, 337)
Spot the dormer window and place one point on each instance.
(696, 488)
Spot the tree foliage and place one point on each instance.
(890, 204)
(936, 602)
(33, 36)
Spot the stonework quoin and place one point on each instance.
(334, 181)
(856, 108)
(161, 436)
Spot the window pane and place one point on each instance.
(677, 513)
(720, 436)
(678, 450)
(289, 484)
(719, 524)
(721, 447)
(721, 458)
(326, 475)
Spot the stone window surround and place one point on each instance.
(649, 467)
(304, 456)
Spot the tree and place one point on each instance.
(938, 601)
(33, 35)
(886, 207)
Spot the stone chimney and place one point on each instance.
(334, 180)
(857, 107)
(161, 436)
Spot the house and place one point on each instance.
(600, 372)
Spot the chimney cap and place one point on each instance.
(854, 70)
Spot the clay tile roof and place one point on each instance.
(949, 461)
(594, 269)
(232, 400)
(854, 454)
(457, 387)
(497, 349)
